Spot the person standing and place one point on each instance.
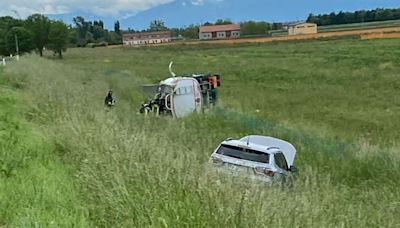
(109, 100)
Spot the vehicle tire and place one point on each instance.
(146, 111)
(156, 110)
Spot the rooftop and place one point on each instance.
(148, 33)
(299, 23)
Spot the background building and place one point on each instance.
(142, 38)
(219, 31)
(302, 28)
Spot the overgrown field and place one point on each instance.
(337, 101)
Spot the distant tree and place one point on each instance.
(89, 38)
(25, 43)
(176, 32)
(58, 37)
(381, 15)
(98, 33)
(101, 24)
(3, 49)
(355, 17)
(72, 37)
(7, 23)
(157, 25)
(276, 26)
(311, 18)
(117, 28)
(332, 18)
(349, 17)
(82, 28)
(223, 22)
(39, 26)
(191, 32)
(113, 38)
(359, 16)
(254, 28)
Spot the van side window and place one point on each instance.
(184, 90)
(281, 161)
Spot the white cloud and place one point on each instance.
(203, 2)
(198, 2)
(97, 7)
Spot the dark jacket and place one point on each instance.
(109, 99)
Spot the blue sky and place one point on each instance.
(138, 13)
(185, 12)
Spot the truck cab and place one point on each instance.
(180, 96)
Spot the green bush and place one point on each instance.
(100, 44)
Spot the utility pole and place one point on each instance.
(16, 44)
(16, 36)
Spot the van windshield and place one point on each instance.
(164, 89)
(243, 153)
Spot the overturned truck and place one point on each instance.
(179, 96)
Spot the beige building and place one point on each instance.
(219, 31)
(143, 38)
(302, 28)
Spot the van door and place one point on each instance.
(186, 98)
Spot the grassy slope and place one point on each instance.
(344, 88)
(36, 189)
(365, 25)
(136, 171)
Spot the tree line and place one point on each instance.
(37, 32)
(92, 33)
(355, 17)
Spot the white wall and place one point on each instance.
(205, 35)
(235, 34)
(150, 41)
(221, 35)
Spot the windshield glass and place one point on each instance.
(243, 153)
(164, 89)
(281, 161)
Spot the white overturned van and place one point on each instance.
(260, 157)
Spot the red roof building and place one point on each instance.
(141, 38)
(219, 31)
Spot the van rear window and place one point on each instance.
(243, 153)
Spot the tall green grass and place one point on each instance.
(36, 188)
(345, 89)
(134, 171)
